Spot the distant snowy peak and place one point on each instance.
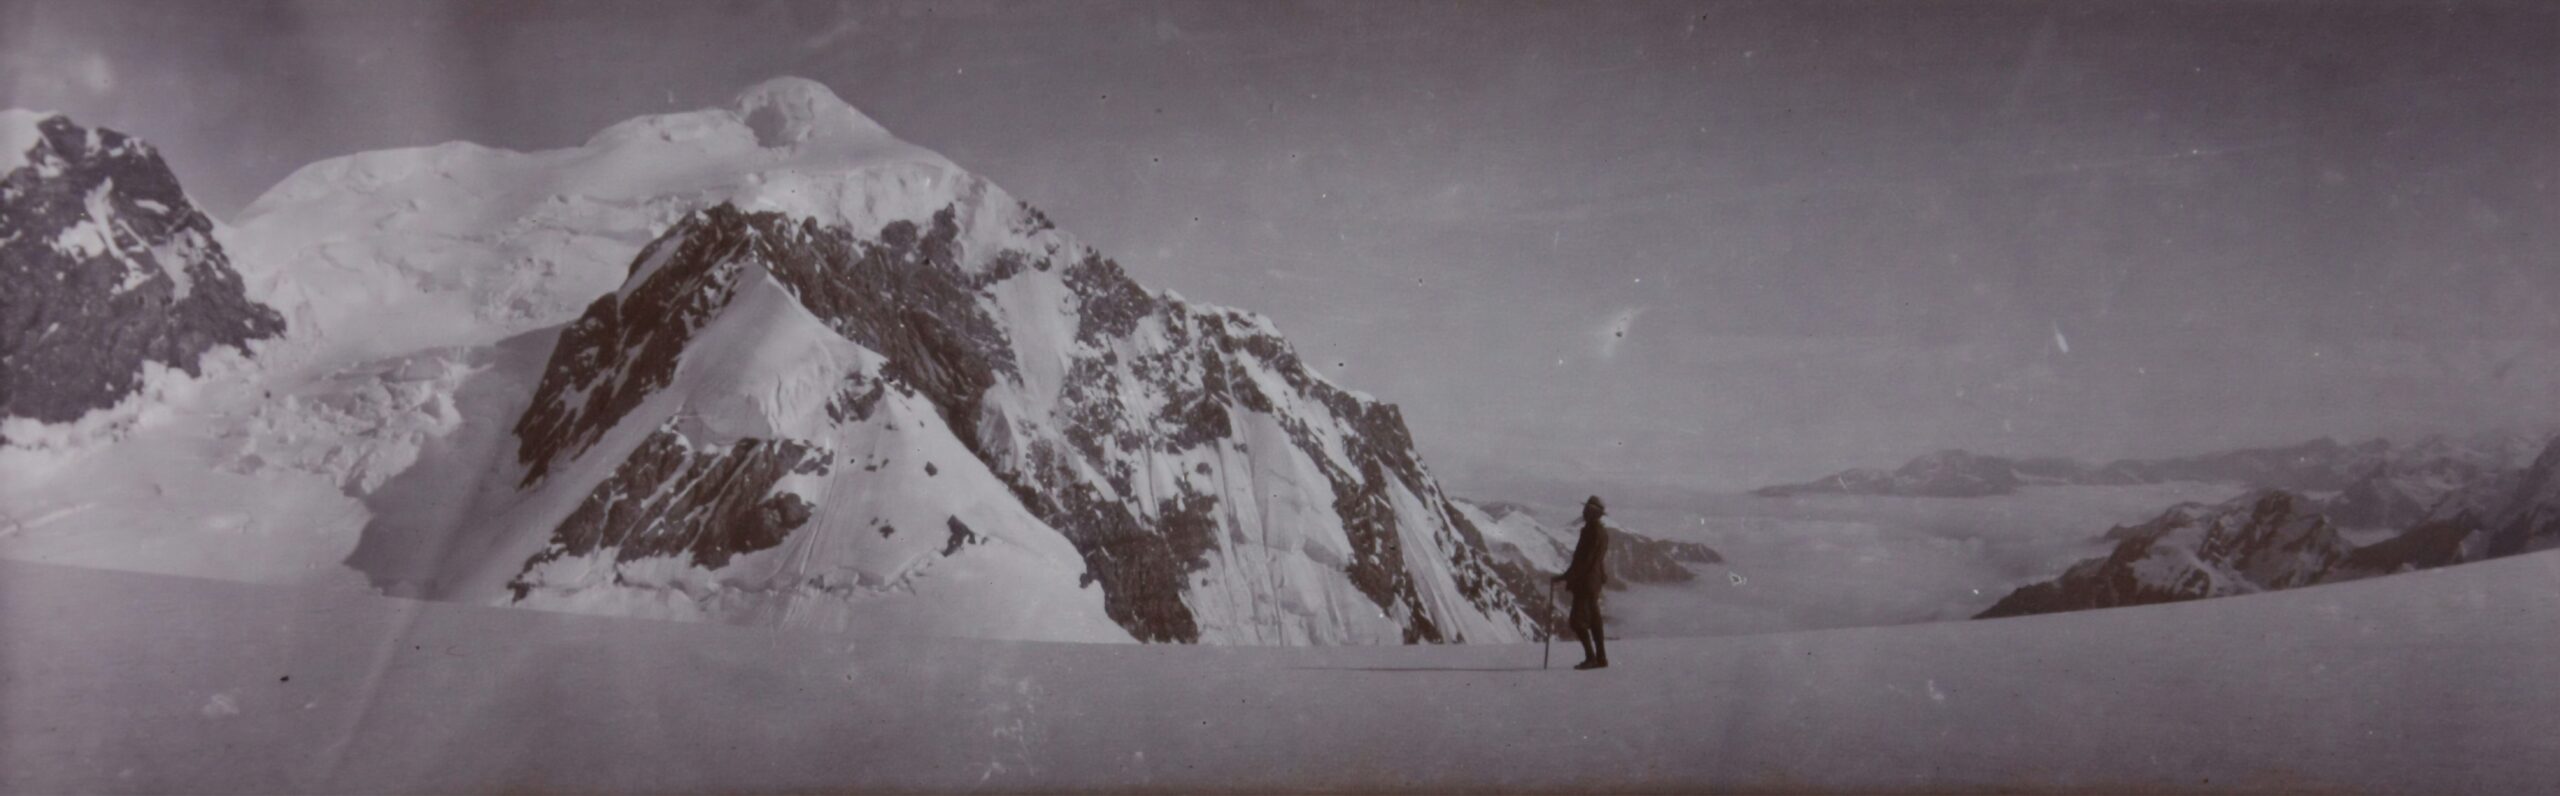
(105, 267)
(2265, 540)
(792, 111)
(459, 243)
(781, 113)
(2382, 484)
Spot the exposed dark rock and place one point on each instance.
(902, 295)
(961, 537)
(857, 400)
(1529, 594)
(626, 347)
(669, 499)
(1141, 572)
(1113, 303)
(104, 266)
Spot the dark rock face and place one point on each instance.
(670, 498)
(105, 265)
(961, 536)
(2267, 540)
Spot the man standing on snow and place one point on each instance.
(1584, 578)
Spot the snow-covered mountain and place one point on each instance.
(387, 252)
(107, 272)
(846, 380)
(765, 363)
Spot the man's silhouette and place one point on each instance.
(1585, 577)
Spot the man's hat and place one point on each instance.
(1593, 503)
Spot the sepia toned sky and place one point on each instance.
(1643, 249)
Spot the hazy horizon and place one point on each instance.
(1645, 249)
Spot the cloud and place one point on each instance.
(55, 71)
(845, 26)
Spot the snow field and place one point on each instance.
(2432, 682)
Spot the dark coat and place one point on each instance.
(1589, 571)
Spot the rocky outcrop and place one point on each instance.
(105, 267)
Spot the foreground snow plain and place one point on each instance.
(2436, 681)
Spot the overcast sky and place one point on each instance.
(1630, 248)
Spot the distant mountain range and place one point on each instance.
(2377, 483)
(2274, 539)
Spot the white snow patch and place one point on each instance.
(94, 233)
(19, 133)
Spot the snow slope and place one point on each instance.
(901, 529)
(2426, 683)
(385, 252)
(19, 132)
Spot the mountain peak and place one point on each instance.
(105, 269)
(787, 110)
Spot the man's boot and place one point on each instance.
(1601, 643)
(1590, 656)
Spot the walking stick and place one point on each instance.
(1549, 631)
